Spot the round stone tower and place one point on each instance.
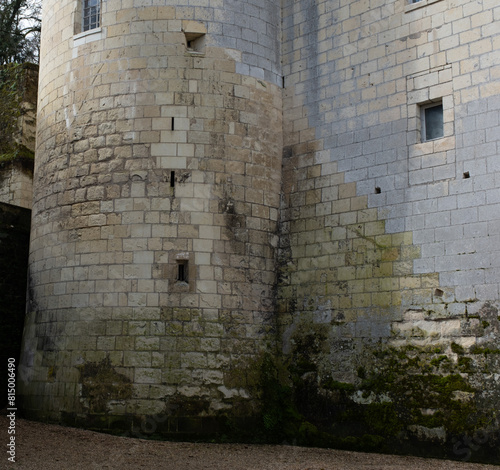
(157, 181)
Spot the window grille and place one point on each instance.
(91, 14)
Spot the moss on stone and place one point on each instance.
(484, 350)
(457, 349)
(331, 384)
(18, 86)
(422, 382)
(101, 383)
(399, 388)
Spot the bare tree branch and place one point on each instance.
(20, 26)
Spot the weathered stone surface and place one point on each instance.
(155, 208)
(206, 193)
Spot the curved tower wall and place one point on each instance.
(155, 210)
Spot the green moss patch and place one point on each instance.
(102, 383)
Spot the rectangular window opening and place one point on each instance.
(432, 121)
(182, 271)
(91, 14)
(172, 179)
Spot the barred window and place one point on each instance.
(91, 14)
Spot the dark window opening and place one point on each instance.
(182, 271)
(172, 179)
(195, 42)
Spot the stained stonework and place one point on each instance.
(386, 261)
(18, 96)
(238, 213)
(155, 212)
(16, 183)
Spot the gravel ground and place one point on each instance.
(42, 446)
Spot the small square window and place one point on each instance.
(91, 14)
(432, 121)
(194, 32)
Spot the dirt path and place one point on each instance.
(41, 446)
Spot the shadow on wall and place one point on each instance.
(14, 246)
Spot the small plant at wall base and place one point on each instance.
(278, 413)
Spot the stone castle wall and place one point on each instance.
(18, 96)
(16, 185)
(389, 250)
(155, 212)
(165, 138)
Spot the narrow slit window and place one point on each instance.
(91, 14)
(432, 122)
(182, 271)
